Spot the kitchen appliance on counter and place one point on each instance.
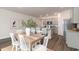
(75, 27)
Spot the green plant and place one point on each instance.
(23, 23)
(30, 23)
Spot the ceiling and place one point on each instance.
(36, 11)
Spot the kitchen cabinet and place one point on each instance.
(49, 21)
(75, 15)
(72, 39)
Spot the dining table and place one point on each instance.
(32, 39)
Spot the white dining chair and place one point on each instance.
(33, 30)
(42, 47)
(14, 41)
(44, 31)
(49, 34)
(20, 31)
(38, 30)
(23, 45)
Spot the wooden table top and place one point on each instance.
(32, 38)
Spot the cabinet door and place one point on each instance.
(72, 39)
(75, 15)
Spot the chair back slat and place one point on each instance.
(13, 38)
(23, 44)
(45, 41)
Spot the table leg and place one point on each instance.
(30, 47)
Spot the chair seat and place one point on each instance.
(23, 48)
(40, 48)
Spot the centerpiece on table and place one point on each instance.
(29, 24)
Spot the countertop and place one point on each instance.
(74, 30)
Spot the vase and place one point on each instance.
(28, 31)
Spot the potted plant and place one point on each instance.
(29, 24)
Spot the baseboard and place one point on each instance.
(1, 38)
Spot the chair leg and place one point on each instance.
(12, 47)
(17, 48)
(39, 41)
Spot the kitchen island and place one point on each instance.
(72, 39)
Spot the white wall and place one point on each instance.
(64, 15)
(6, 20)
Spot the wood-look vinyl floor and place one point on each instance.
(58, 43)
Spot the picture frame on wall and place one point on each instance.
(14, 24)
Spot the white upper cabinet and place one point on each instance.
(50, 20)
(75, 16)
